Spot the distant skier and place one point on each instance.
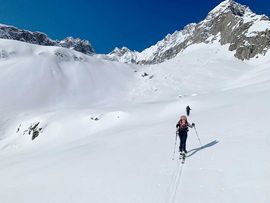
(188, 110)
(182, 129)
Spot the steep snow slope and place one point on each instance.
(107, 132)
(35, 76)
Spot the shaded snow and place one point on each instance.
(257, 27)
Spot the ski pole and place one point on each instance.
(174, 146)
(198, 136)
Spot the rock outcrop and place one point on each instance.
(10, 32)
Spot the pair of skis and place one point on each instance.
(182, 157)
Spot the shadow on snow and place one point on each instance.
(195, 150)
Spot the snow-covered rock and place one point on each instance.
(123, 55)
(77, 44)
(10, 32)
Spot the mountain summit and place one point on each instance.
(247, 34)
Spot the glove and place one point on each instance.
(193, 124)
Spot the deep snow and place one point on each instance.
(125, 155)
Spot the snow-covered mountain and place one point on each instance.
(78, 128)
(11, 32)
(124, 55)
(229, 23)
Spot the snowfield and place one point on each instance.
(107, 129)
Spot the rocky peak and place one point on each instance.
(230, 6)
(77, 44)
(123, 55)
(246, 32)
(120, 52)
(230, 23)
(10, 32)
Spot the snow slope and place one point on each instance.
(200, 69)
(108, 132)
(40, 76)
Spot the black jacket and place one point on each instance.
(180, 129)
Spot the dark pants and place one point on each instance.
(183, 140)
(188, 111)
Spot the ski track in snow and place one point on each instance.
(173, 182)
(176, 183)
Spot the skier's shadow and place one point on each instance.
(195, 150)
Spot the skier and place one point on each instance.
(182, 130)
(188, 110)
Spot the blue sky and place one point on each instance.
(136, 24)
